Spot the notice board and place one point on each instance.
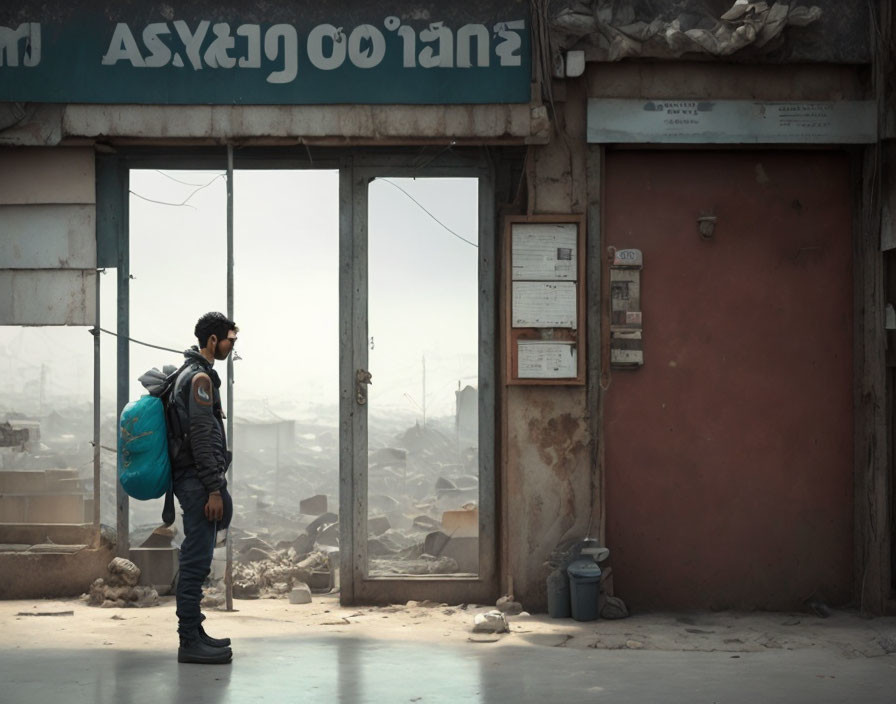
(544, 287)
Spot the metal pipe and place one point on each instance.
(228, 572)
(122, 525)
(96, 406)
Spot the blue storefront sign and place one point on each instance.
(100, 51)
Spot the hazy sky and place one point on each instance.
(423, 288)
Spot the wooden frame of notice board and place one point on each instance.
(544, 299)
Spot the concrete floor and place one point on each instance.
(360, 670)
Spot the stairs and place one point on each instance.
(44, 496)
(49, 546)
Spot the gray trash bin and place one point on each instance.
(558, 594)
(584, 588)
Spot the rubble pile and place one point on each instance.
(120, 588)
(277, 574)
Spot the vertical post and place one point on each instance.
(228, 571)
(96, 405)
(122, 524)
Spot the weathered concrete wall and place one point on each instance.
(282, 124)
(547, 458)
(725, 81)
(48, 232)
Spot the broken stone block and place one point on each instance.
(506, 605)
(329, 535)
(280, 587)
(464, 551)
(381, 503)
(124, 572)
(377, 548)
(161, 537)
(303, 544)
(461, 524)
(377, 525)
(245, 590)
(490, 622)
(300, 594)
(443, 484)
(313, 505)
(435, 542)
(158, 566)
(320, 522)
(243, 545)
(321, 581)
(613, 608)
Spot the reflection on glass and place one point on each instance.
(46, 425)
(423, 446)
(178, 266)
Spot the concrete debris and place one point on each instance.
(126, 572)
(377, 525)
(329, 535)
(279, 572)
(506, 605)
(613, 608)
(300, 594)
(610, 31)
(120, 588)
(313, 505)
(425, 564)
(245, 590)
(161, 537)
(490, 622)
(213, 598)
(242, 546)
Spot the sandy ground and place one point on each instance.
(71, 623)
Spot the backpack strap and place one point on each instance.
(168, 516)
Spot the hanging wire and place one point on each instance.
(420, 205)
(94, 331)
(184, 201)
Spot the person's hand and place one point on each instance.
(214, 509)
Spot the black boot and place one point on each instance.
(214, 642)
(193, 649)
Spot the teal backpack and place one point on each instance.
(144, 461)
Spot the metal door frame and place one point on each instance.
(356, 585)
(356, 166)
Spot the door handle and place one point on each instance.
(362, 380)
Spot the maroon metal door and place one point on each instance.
(729, 454)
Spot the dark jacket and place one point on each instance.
(197, 407)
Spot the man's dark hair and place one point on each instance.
(213, 323)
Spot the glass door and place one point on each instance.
(422, 386)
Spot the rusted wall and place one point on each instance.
(729, 455)
(547, 459)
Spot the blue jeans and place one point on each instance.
(197, 548)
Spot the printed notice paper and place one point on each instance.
(544, 251)
(544, 305)
(538, 359)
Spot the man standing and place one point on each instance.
(198, 466)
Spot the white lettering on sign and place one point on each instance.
(27, 35)
(327, 46)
